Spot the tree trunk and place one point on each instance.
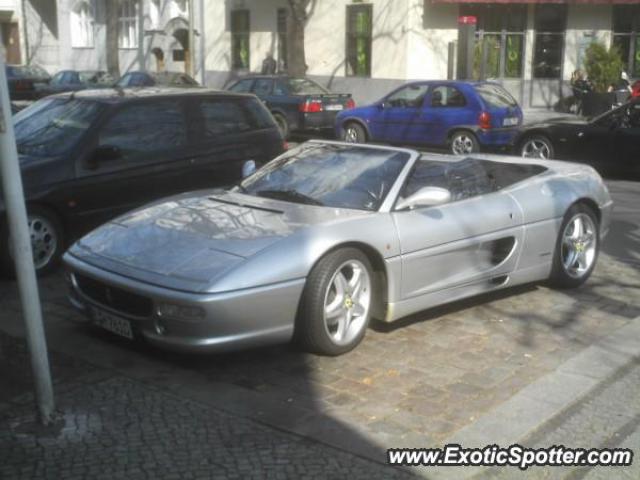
(296, 62)
(111, 23)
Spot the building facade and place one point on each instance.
(71, 34)
(363, 47)
(10, 30)
(368, 47)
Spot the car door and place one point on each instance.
(627, 140)
(474, 238)
(225, 137)
(397, 116)
(592, 143)
(146, 146)
(445, 108)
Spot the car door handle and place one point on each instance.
(580, 134)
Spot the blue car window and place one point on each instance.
(263, 86)
(447, 96)
(243, 86)
(411, 96)
(280, 89)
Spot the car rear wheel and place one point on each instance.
(577, 248)
(336, 304)
(47, 241)
(354, 133)
(464, 143)
(283, 125)
(537, 147)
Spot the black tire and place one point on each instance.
(48, 248)
(566, 277)
(534, 143)
(311, 331)
(353, 132)
(463, 142)
(282, 124)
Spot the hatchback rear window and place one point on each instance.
(496, 96)
(304, 86)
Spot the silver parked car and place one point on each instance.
(325, 237)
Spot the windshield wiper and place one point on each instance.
(290, 195)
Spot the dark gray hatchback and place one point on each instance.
(89, 156)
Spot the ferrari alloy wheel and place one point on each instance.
(354, 133)
(537, 147)
(347, 302)
(576, 248)
(464, 143)
(336, 304)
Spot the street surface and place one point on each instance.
(131, 411)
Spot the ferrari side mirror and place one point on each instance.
(425, 197)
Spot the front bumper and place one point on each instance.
(231, 320)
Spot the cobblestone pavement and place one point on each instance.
(413, 383)
(112, 427)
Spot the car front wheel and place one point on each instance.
(336, 304)
(577, 248)
(354, 133)
(47, 241)
(537, 147)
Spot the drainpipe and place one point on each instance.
(202, 45)
(192, 67)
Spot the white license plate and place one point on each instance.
(510, 122)
(114, 324)
(333, 107)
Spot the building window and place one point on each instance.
(240, 39)
(550, 25)
(128, 24)
(282, 14)
(626, 36)
(82, 24)
(359, 40)
(499, 48)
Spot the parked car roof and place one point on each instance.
(114, 95)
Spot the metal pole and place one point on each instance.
(23, 257)
(192, 66)
(203, 38)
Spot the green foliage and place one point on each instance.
(603, 66)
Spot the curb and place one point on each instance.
(539, 402)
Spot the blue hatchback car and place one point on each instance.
(464, 117)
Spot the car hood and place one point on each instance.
(191, 241)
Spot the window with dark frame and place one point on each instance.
(500, 33)
(282, 15)
(359, 39)
(626, 36)
(550, 25)
(240, 51)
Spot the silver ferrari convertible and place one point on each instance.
(324, 238)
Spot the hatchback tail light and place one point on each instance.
(311, 106)
(484, 120)
(350, 104)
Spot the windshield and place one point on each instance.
(329, 175)
(496, 96)
(304, 86)
(53, 126)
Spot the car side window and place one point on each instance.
(466, 178)
(222, 116)
(411, 96)
(447, 96)
(263, 86)
(280, 88)
(140, 129)
(243, 86)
